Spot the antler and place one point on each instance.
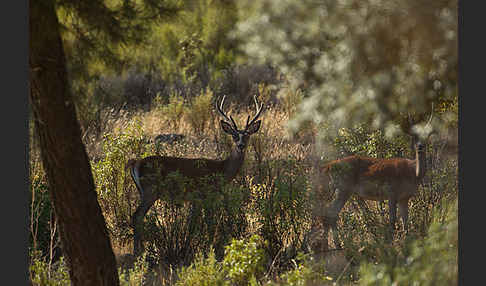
(259, 110)
(221, 112)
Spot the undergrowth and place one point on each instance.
(256, 232)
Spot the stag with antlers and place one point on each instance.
(394, 179)
(154, 176)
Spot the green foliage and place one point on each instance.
(202, 272)
(281, 209)
(173, 110)
(135, 275)
(244, 260)
(360, 140)
(194, 48)
(363, 61)
(305, 272)
(45, 274)
(243, 264)
(113, 182)
(199, 113)
(432, 261)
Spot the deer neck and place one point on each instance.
(421, 164)
(233, 163)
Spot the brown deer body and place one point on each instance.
(395, 180)
(157, 177)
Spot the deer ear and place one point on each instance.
(254, 127)
(227, 127)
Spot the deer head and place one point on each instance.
(240, 137)
(421, 146)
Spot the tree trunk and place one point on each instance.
(83, 231)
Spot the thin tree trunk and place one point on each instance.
(82, 227)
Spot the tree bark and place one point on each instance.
(83, 231)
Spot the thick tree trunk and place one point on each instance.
(83, 231)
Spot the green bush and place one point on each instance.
(431, 261)
(280, 209)
(244, 260)
(305, 272)
(44, 274)
(202, 272)
(113, 183)
(243, 264)
(136, 275)
(173, 110)
(361, 140)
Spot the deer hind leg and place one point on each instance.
(392, 204)
(137, 222)
(403, 208)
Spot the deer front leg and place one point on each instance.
(332, 213)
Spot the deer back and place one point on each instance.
(187, 167)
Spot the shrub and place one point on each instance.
(431, 261)
(176, 232)
(361, 140)
(305, 272)
(173, 110)
(243, 264)
(45, 274)
(244, 260)
(136, 275)
(202, 272)
(199, 113)
(280, 210)
(113, 184)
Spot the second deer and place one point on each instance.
(155, 176)
(394, 179)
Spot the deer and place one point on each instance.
(393, 179)
(152, 175)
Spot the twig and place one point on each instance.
(273, 262)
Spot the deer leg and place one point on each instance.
(137, 223)
(392, 204)
(332, 213)
(403, 208)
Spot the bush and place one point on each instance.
(305, 272)
(431, 261)
(176, 232)
(136, 275)
(202, 272)
(45, 274)
(174, 109)
(113, 184)
(280, 210)
(244, 260)
(361, 140)
(243, 264)
(199, 113)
